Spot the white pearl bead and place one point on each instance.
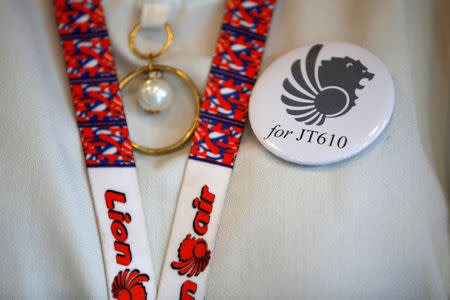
(154, 95)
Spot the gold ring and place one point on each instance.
(179, 73)
(150, 55)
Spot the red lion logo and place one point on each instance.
(193, 256)
(128, 285)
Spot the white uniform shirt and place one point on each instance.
(372, 227)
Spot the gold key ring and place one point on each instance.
(151, 68)
(150, 56)
(182, 75)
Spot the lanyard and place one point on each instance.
(110, 161)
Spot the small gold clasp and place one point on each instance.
(150, 56)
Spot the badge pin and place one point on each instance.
(321, 104)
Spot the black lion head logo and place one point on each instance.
(330, 94)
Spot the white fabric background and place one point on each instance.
(373, 227)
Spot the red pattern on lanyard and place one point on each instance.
(92, 76)
(234, 69)
(233, 72)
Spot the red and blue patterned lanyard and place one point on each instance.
(110, 161)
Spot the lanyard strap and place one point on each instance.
(107, 148)
(109, 157)
(213, 153)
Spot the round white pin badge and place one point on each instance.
(322, 103)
